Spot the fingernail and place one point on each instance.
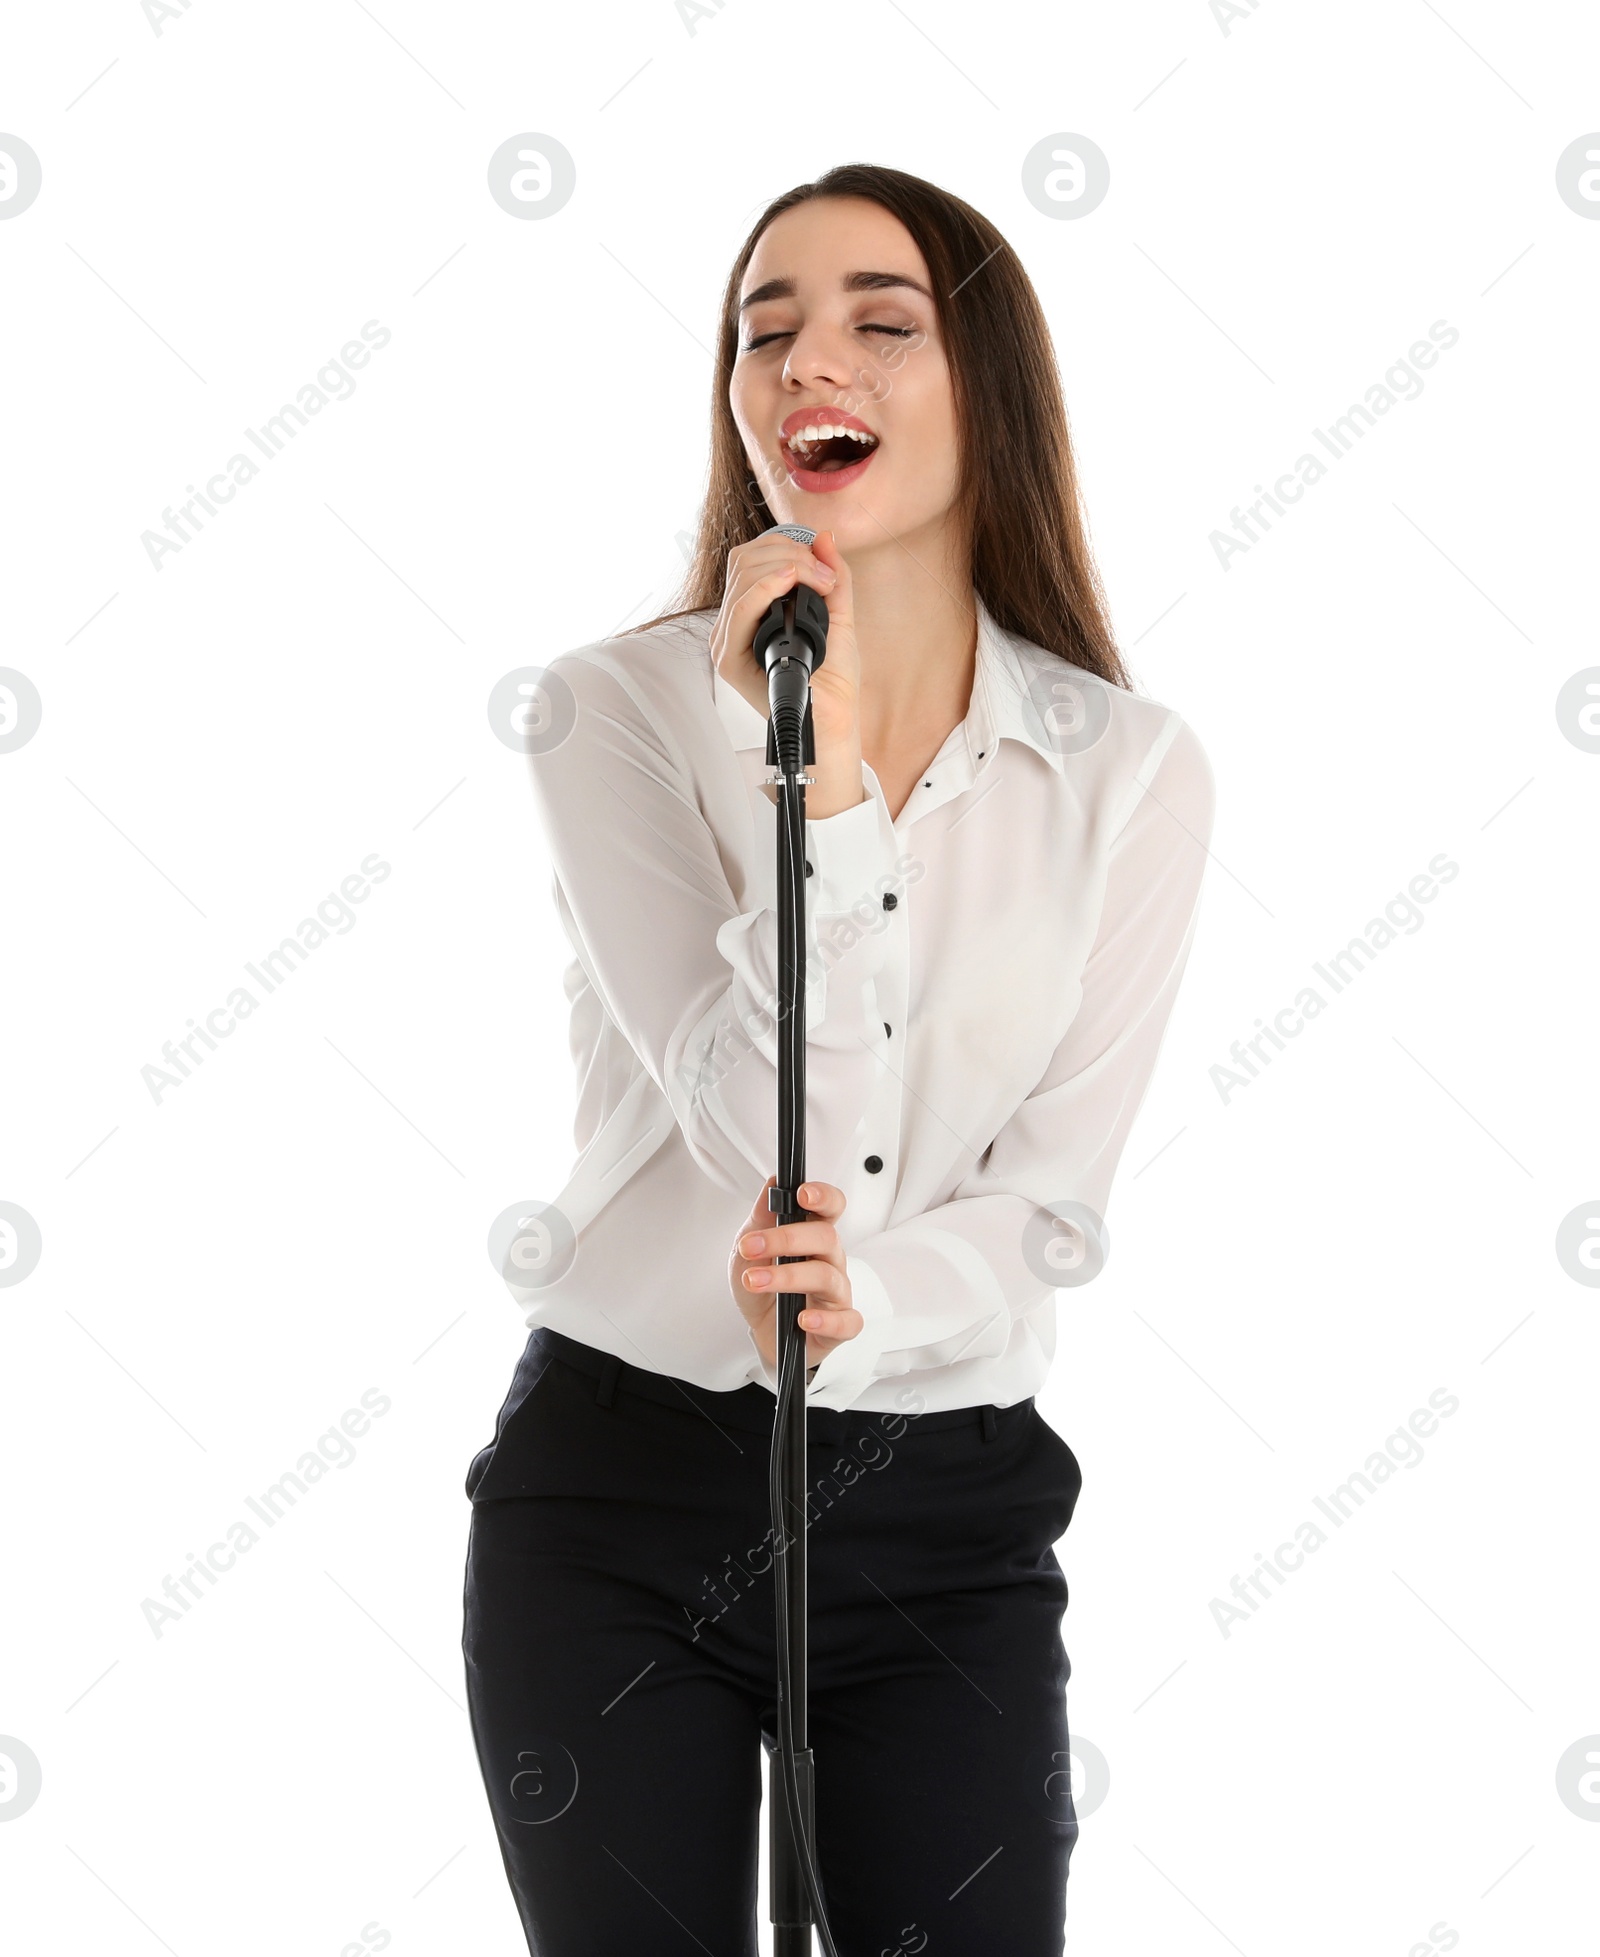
(811, 1320)
(758, 1277)
(753, 1245)
(808, 1193)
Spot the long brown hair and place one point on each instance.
(1018, 490)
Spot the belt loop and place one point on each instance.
(991, 1426)
(606, 1391)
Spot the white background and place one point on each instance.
(1372, 1755)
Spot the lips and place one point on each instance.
(829, 461)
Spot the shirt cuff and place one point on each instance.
(852, 856)
(852, 1365)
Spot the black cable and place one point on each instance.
(789, 1409)
(788, 1763)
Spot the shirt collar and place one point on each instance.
(1006, 691)
(1009, 694)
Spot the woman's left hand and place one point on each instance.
(755, 1279)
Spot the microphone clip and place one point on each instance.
(795, 627)
(808, 748)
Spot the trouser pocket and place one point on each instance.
(1067, 1474)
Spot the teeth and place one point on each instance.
(813, 432)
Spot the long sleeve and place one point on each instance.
(690, 979)
(949, 1285)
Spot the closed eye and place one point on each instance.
(897, 332)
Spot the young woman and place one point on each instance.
(1004, 846)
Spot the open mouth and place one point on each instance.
(824, 448)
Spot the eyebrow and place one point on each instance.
(851, 282)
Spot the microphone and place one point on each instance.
(791, 642)
(796, 625)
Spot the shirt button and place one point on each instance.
(888, 1030)
(890, 900)
(808, 869)
(873, 1164)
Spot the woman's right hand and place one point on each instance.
(758, 572)
(821, 1280)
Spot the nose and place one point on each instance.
(819, 357)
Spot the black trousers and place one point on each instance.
(618, 1639)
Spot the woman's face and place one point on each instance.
(837, 329)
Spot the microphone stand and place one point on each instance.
(792, 639)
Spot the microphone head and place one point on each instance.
(798, 531)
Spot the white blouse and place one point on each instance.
(988, 982)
